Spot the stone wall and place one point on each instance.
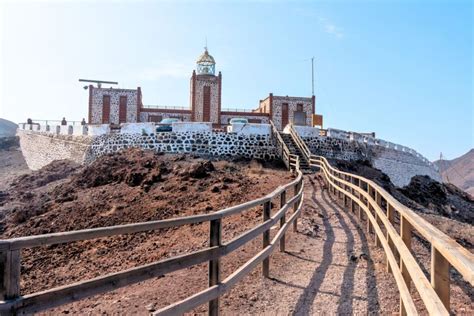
(63, 142)
(39, 148)
(398, 162)
(276, 106)
(205, 144)
(250, 129)
(400, 165)
(335, 148)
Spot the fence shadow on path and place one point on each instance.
(306, 299)
(348, 280)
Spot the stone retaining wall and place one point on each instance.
(39, 148)
(400, 164)
(335, 148)
(205, 144)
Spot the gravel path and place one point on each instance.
(329, 268)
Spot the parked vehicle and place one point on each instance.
(238, 120)
(166, 125)
(241, 121)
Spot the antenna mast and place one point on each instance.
(312, 75)
(99, 82)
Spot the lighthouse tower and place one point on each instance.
(206, 89)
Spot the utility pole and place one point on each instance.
(312, 75)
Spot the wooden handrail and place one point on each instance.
(445, 251)
(300, 143)
(214, 292)
(311, 158)
(285, 152)
(35, 302)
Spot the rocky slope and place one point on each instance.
(130, 186)
(7, 128)
(459, 171)
(444, 205)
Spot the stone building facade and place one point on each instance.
(284, 109)
(114, 106)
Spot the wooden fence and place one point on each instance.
(10, 259)
(282, 149)
(384, 213)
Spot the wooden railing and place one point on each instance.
(10, 259)
(300, 143)
(383, 213)
(282, 149)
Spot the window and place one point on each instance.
(206, 111)
(123, 109)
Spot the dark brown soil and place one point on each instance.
(127, 187)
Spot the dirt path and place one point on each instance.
(329, 268)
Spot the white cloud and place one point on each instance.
(331, 28)
(168, 69)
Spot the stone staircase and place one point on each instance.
(294, 150)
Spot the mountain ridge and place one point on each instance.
(459, 171)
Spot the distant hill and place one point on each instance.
(459, 171)
(7, 128)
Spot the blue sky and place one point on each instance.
(403, 69)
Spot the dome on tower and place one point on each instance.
(206, 64)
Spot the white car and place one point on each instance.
(239, 121)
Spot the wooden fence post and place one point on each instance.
(215, 239)
(295, 208)
(10, 265)
(440, 280)
(282, 220)
(406, 234)
(266, 239)
(391, 218)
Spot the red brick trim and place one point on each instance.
(219, 104)
(313, 100)
(193, 96)
(152, 110)
(90, 104)
(139, 102)
(271, 105)
(249, 114)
